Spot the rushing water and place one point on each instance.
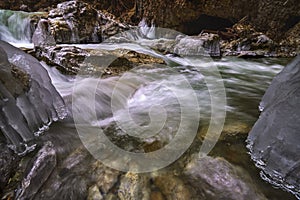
(17, 27)
(156, 99)
(245, 82)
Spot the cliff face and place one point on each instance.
(274, 17)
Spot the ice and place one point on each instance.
(275, 140)
(29, 103)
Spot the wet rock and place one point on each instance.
(68, 179)
(27, 92)
(94, 193)
(206, 44)
(274, 139)
(134, 186)
(66, 59)
(78, 22)
(248, 42)
(42, 35)
(230, 130)
(73, 22)
(38, 172)
(106, 178)
(215, 178)
(79, 176)
(8, 165)
(172, 187)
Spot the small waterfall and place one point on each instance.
(147, 31)
(74, 30)
(15, 26)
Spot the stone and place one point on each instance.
(27, 92)
(134, 186)
(203, 45)
(274, 140)
(78, 22)
(172, 187)
(42, 35)
(94, 193)
(38, 172)
(216, 178)
(8, 165)
(66, 59)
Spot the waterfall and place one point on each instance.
(147, 31)
(15, 26)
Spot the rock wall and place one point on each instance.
(274, 17)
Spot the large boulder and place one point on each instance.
(216, 178)
(28, 101)
(274, 139)
(78, 22)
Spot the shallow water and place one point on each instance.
(153, 103)
(141, 89)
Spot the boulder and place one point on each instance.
(29, 103)
(216, 178)
(274, 140)
(204, 44)
(78, 22)
(66, 59)
(42, 36)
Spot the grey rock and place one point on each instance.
(8, 164)
(29, 103)
(38, 172)
(79, 22)
(66, 59)
(134, 186)
(274, 139)
(204, 45)
(216, 178)
(94, 193)
(42, 35)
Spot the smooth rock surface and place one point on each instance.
(216, 178)
(274, 139)
(29, 103)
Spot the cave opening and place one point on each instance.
(206, 22)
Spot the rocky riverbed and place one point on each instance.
(79, 47)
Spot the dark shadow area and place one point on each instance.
(206, 22)
(291, 22)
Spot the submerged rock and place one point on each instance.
(274, 139)
(28, 102)
(134, 186)
(215, 178)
